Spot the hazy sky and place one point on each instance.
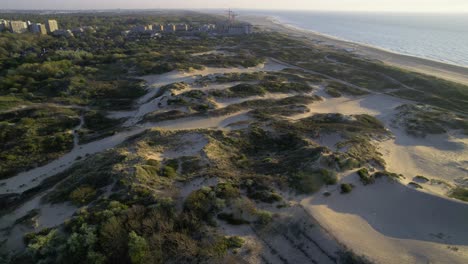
(341, 5)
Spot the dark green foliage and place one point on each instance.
(346, 187)
(261, 191)
(93, 173)
(332, 92)
(235, 242)
(387, 174)
(335, 89)
(311, 181)
(231, 219)
(138, 249)
(349, 257)
(33, 137)
(421, 179)
(415, 185)
(459, 193)
(82, 195)
(207, 202)
(421, 120)
(365, 177)
(168, 171)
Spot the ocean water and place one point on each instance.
(439, 37)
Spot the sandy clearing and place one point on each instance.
(435, 156)
(393, 223)
(147, 105)
(224, 102)
(214, 52)
(378, 105)
(189, 145)
(190, 123)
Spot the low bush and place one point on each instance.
(415, 185)
(82, 195)
(311, 181)
(231, 219)
(346, 187)
(459, 193)
(235, 242)
(169, 172)
(263, 218)
(365, 177)
(421, 179)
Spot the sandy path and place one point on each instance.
(32, 178)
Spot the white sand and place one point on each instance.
(435, 156)
(224, 102)
(393, 223)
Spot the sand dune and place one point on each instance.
(394, 223)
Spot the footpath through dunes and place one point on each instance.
(391, 223)
(388, 221)
(49, 215)
(146, 104)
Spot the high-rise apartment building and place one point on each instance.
(18, 26)
(38, 28)
(52, 26)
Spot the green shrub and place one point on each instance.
(138, 249)
(387, 174)
(82, 195)
(235, 242)
(365, 177)
(346, 187)
(459, 193)
(263, 217)
(231, 219)
(420, 178)
(311, 181)
(332, 92)
(169, 172)
(154, 163)
(415, 185)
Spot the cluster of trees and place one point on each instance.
(120, 233)
(33, 136)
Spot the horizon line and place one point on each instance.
(247, 9)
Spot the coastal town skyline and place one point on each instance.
(437, 6)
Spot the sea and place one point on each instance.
(438, 37)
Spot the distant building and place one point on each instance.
(83, 29)
(52, 26)
(170, 28)
(38, 28)
(181, 27)
(63, 33)
(158, 28)
(3, 25)
(234, 29)
(142, 29)
(18, 26)
(207, 27)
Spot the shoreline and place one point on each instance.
(441, 70)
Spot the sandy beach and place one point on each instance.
(446, 71)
